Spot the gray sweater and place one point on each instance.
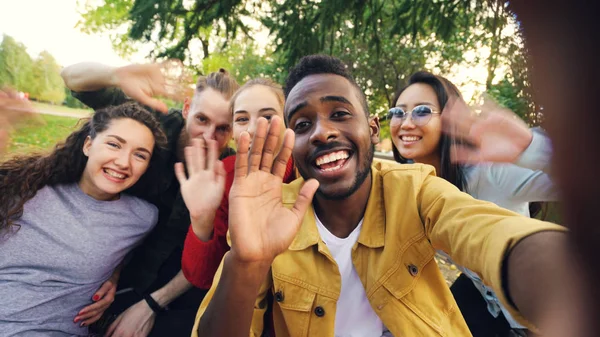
(67, 246)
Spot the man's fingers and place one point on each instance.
(178, 80)
(219, 169)
(305, 197)
(280, 164)
(141, 97)
(199, 155)
(113, 326)
(212, 154)
(256, 150)
(180, 173)
(241, 158)
(270, 147)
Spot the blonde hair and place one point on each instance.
(220, 81)
(274, 87)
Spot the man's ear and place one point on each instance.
(187, 102)
(374, 128)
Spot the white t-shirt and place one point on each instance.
(354, 315)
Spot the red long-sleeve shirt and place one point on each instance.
(201, 259)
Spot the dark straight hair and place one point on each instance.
(452, 172)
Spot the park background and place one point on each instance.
(476, 44)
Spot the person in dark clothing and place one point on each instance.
(151, 280)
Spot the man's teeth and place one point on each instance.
(410, 138)
(332, 168)
(114, 174)
(331, 157)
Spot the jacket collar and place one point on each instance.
(372, 234)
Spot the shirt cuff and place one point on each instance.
(197, 252)
(537, 155)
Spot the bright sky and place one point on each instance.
(50, 25)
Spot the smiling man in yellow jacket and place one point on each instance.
(349, 249)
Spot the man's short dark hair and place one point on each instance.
(322, 64)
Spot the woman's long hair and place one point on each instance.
(452, 172)
(21, 177)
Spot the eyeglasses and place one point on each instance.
(420, 115)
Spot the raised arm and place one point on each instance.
(140, 82)
(89, 76)
(206, 243)
(484, 238)
(203, 250)
(261, 227)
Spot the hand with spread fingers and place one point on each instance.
(261, 227)
(145, 82)
(202, 190)
(495, 135)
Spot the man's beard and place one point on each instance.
(182, 142)
(361, 176)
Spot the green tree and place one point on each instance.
(16, 65)
(243, 60)
(514, 91)
(47, 84)
(111, 17)
(167, 24)
(382, 41)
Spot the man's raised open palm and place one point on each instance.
(261, 227)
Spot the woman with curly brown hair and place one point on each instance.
(67, 220)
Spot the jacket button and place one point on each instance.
(319, 311)
(279, 296)
(413, 270)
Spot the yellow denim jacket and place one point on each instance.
(410, 214)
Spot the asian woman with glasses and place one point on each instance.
(492, 156)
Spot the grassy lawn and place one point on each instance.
(60, 109)
(41, 133)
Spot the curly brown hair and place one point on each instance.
(22, 176)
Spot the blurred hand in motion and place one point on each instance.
(13, 109)
(495, 134)
(145, 83)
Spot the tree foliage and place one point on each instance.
(47, 84)
(40, 77)
(113, 18)
(16, 65)
(242, 60)
(382, 41)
